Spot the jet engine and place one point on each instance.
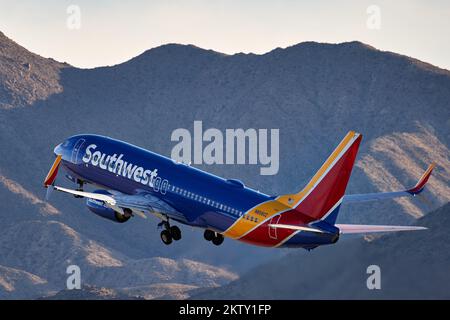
(101, 209)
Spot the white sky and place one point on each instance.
(115, 31)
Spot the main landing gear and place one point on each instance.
(169, 233)
(80, 188)
(214, 237)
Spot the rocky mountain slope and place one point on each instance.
(52, 246)
(314, 93)
(414, 265)
(89, 292)
(25, 77)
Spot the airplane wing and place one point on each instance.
(362, 228)
(138, 203)
(418, 188)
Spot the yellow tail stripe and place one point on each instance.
(271, 208)
(292, 199)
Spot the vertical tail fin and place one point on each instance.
(320, 199)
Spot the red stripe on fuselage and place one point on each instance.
(262, 237)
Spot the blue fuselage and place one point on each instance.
(198, 198)
(204, 199)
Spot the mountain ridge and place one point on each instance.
(313, 96)
(190, 46)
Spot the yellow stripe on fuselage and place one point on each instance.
(261, 212)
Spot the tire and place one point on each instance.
(209, 235)
(217, 240)
(166, 237)
(175, 232)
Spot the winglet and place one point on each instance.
(51, 175)
(420, 185)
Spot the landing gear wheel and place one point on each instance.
(218, 239)
(175, 232)
(209, 235)
(166, 237)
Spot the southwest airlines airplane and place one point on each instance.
(133, 181)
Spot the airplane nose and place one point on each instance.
(58, 149)
(64, 149)
(69, 148)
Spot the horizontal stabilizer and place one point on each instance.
(292, 227)
(362, 228)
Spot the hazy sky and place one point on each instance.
(114, 31)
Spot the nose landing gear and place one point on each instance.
(214, 237)
(169, 233)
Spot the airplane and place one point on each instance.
(132, 181)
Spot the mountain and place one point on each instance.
(413, 265)
(89, 292)
(312, 92)
(52, 246)
(24, 76)
(19, 284)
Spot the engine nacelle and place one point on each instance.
(99, 208)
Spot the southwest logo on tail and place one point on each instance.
(178, 193)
